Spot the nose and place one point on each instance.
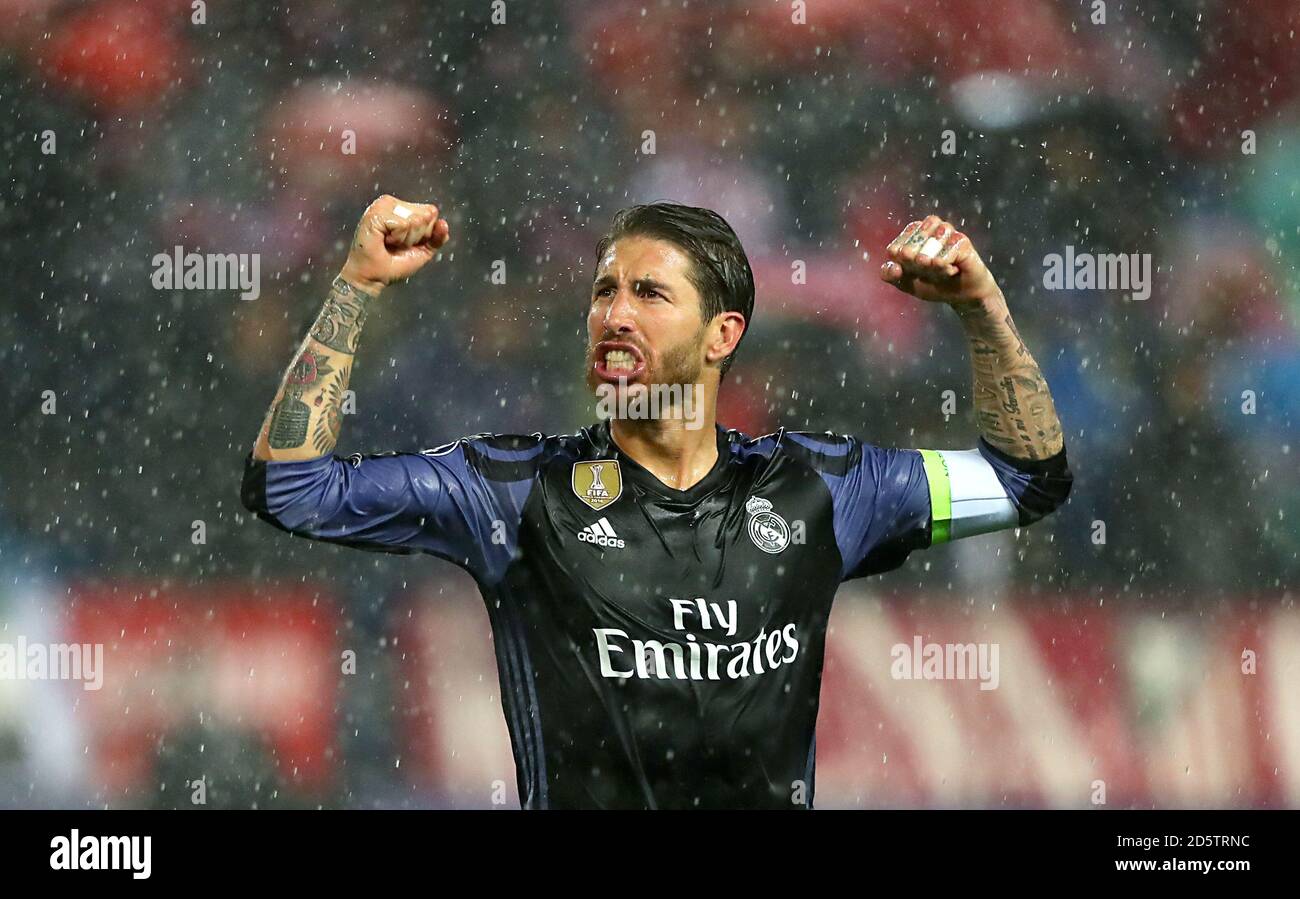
(620, 315)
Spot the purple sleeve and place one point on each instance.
(438, 502)
(1037, 488)
(880, 500)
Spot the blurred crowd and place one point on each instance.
(1023, 121)
(818, 130)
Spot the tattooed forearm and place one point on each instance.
(330, 422)
(307, 414)
(340, 322)
(1013, 406)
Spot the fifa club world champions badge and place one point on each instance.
(597, 483)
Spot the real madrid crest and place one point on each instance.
(768, 530)
(597, 483)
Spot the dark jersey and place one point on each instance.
(657, 648)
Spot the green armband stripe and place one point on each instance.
(936, 472)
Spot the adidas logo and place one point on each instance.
(601, 534)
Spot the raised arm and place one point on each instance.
(1012, 403)
(435, 501)
(935, 262)
(888, 502)
(393, 241)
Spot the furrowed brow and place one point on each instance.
(651, 283)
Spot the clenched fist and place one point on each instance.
(935, 262)
(393, 241)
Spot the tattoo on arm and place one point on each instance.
(340, 322)
(330, 421)
(1013, 405)
(309, 405)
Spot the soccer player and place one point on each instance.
(659, 587)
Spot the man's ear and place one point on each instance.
(727, 329)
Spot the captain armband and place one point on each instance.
(966, 496)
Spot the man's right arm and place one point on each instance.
(306, 414)
(436, 501)
(393, 241)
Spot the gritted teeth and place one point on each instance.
(619, 360)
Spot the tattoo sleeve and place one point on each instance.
(307, 414)
(1013, 406)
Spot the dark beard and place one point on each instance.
(682, 363)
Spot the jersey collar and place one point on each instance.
(604, 444)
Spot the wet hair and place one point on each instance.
(720, 269)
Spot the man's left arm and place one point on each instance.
(934, 261)
(1013, 405)
(1019, 472)
(888, 502)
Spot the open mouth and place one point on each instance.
(615, 361)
